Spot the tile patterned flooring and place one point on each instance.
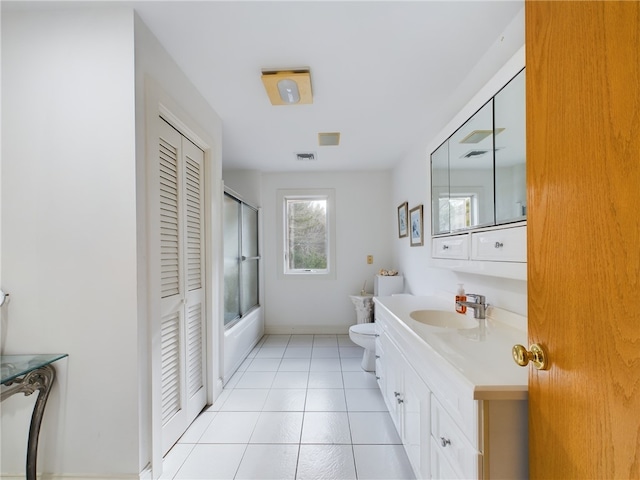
(299, 407)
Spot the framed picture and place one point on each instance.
(403, 212)
(417, 230)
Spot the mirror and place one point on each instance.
(471, 172)
(478, 175)
(440, 189)
(510, 165)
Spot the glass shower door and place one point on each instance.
(241, 259)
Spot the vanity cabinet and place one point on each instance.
(408, 400)
(448, 428)
(497, 251)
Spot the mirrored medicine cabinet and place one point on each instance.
(478, 174)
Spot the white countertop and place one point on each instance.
(484, 364)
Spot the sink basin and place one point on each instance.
(443, 319)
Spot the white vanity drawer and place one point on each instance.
(452, 444)
(456, 246)
(503, 245)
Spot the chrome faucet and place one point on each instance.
(479, 306)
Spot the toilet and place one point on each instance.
(364, 335)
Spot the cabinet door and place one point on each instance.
(416, 422)
(471, 191)
(455, 247)
(393, 381)
(440, 467)
(440, 190)
(453, 444)
(510, 152)
(505, 245)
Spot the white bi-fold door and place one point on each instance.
(182, 267)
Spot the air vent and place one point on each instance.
(306, 156)
(479, 152)
(329, 139)
(474, 153)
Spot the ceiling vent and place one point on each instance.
(306, 156)
(329, 139)
(474, 153)
(479, 152)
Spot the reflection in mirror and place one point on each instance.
(471, 201)
(510, 156)
(440, 189)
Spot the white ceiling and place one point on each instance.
(384, 73)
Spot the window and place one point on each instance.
(241, 259)
(307, 232)
(459, 210)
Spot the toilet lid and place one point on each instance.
(364, 328)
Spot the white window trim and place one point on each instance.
(330, 272)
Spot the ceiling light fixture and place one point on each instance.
(478, 135)
(288, 87)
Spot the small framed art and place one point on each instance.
(417, 230)
(403, 212)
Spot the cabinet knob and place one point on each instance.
(399, 400)
(535, 355)
(396, 394)
(445, 441)
(377, 377)
(445, 247)
(498, 245)
(377, 356)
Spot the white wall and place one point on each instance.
(69, 234)
(76, 88)
(161, 87)
(365, 214)
(411, 182)
(246, 183)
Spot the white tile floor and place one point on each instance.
(299, 407)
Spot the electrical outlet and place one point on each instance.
(369, 259)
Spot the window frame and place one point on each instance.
(283, 195)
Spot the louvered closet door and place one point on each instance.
(182, 282)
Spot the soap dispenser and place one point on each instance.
(461, 297)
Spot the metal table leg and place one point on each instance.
(41, 380)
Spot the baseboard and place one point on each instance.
(61, 476)
(306, 330)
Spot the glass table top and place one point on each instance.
(14, 366)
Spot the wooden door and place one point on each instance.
(583, 182)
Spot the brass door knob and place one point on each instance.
(535, 355)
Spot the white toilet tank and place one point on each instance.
(384, 285)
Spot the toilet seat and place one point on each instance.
(364, 329)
